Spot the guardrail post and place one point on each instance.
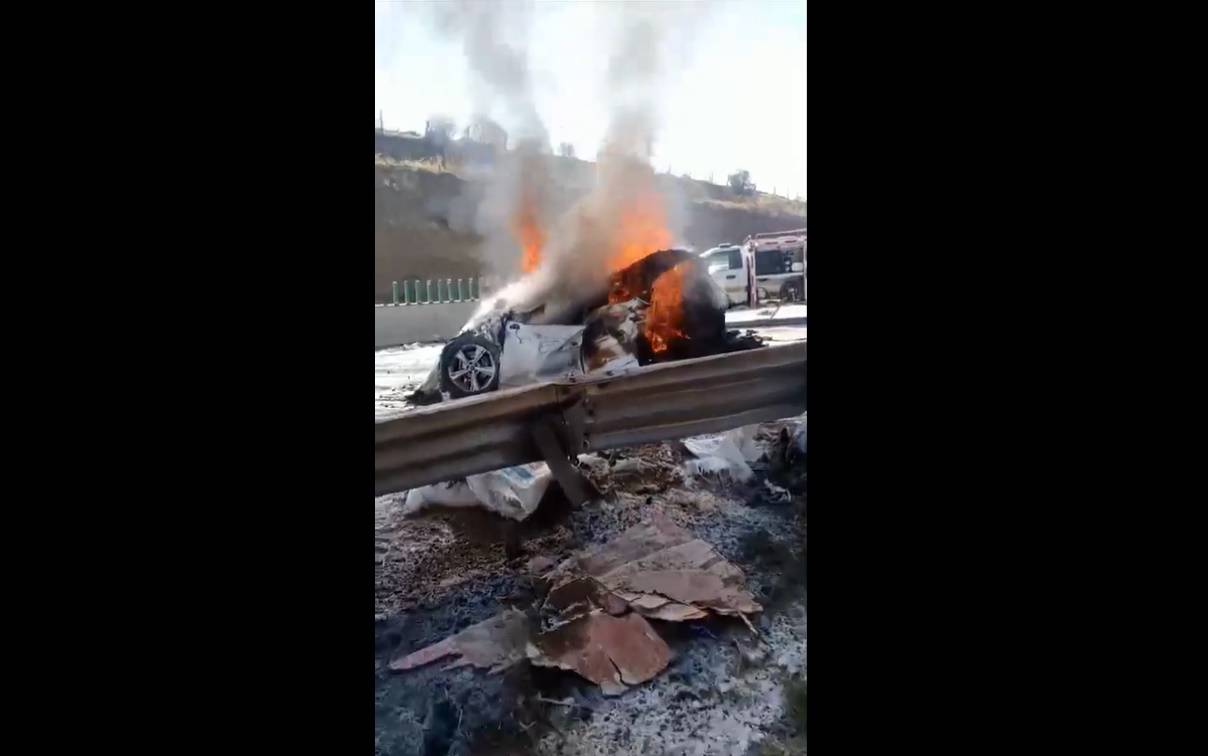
(394, 292)
(558, 460)
(429, 292)
(418, 296)
(461, 292)
(448, 289)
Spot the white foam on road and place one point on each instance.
(737, 317)
(782, 334)
(398, 371)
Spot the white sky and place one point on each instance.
(733, 97)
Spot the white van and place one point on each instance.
(765, 266)
(730, 266)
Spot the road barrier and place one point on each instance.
(435, 291)
(556, 421)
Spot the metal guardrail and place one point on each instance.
(654, 403)
(436, 291)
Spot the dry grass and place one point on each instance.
(428, 165)
(766, 204)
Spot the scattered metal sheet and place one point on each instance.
(598, 604)
(663, 571)
(673, 612)
(582, 596)
(613, 652)
(497, 643)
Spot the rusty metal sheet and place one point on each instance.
(657, 563)
(496, 643)
(581, 596)
(613, 652)
(673, 612)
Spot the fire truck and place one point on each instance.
(765, 266)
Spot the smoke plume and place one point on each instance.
(627, 213)
(494, 37)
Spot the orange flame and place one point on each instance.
(642, 229)
(664, 318)
(526, 228)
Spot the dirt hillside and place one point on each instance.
(423, 217)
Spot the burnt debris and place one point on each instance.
(593, 620)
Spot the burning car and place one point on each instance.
(663, 307)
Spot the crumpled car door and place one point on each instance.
(540, 353)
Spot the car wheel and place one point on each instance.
(469, 365)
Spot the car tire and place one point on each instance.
(469, 366)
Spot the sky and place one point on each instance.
(731, 95)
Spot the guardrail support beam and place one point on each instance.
(559, 461)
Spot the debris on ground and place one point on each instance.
(539, 565)
(581, 596)
(656, 569)
(662, 571)
(496, 643)
(744, 439)
(775, 493)
(613, 652)
(649, 469)
(454, 493)
(724, 455)
(513, 492)
(681, 556)
(786, 460)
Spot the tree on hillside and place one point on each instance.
(566, 149)
(740, 183)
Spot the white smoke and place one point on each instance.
(494, 38)
(648, 42)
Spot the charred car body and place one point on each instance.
(662, 307)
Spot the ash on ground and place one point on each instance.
(725, 692)
(397, 371)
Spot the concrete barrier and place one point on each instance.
(407, 324)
